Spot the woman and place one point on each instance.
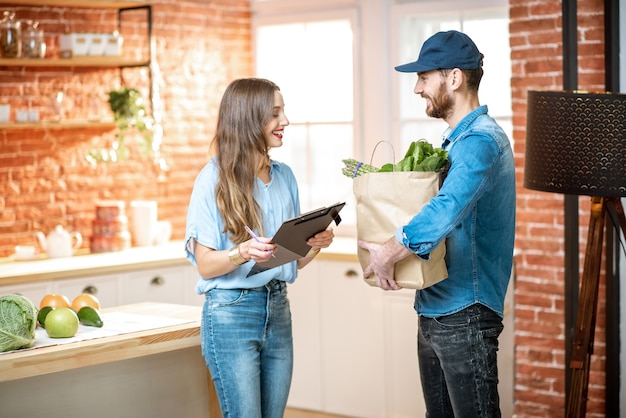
(246, 321)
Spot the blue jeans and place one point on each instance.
(458, 363)
(248, 347)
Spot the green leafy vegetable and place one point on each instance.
(421, 156)
(18, 320)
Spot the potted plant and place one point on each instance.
(130, 114)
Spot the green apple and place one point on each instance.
(61, 323)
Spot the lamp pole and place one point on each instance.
(613, 315)
(570, 202)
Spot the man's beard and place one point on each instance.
(441, 104)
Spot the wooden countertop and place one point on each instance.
(38, 361)
(135, 258)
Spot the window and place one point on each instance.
(488, 28)
(334, 59)
(311, 60)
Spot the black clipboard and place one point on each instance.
(292, 235)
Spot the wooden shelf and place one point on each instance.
(65, 124)
(87, 61)
(92, 4)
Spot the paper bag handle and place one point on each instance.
(393, 151)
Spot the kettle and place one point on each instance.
(58, 243)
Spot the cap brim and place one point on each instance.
(412, 67)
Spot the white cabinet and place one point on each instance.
(403, 390)
(174, 284)
(156, 285)
(105, 287)
(354, 345)
(305, 303)
(352, 341)
(191, 279)
(168, 285)
(33, 291)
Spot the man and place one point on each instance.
(460, 318)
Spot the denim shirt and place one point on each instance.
(474, 212)
(278, 200)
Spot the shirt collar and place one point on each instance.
(451, 135)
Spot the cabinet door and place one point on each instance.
(105, 287)
(403, 389)
(33, 291)
(189, 290)
(164, 285)
(304, 299)
(352, 342)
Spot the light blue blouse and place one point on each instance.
(279, 201)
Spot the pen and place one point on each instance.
(256, 238)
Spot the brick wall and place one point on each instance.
(536, 41)
(45, 179)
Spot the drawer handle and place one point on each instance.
(92, 290)
(157, 281)
(351, 274)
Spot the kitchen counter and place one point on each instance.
(42, 269)
(135, 258)
(162, 366)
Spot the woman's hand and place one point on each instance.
(318, 241)
(212, 263)
(322, 239)
(258, 251)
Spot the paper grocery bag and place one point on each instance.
(385, 201)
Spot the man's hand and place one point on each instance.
(382, 262)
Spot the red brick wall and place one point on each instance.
(44, 178)
(201, 45)
(536, 42)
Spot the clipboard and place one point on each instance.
(292, 235)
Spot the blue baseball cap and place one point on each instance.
(445, 50)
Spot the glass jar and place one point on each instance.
(33, 44)
(10, 37)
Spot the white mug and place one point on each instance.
(164, 232)
(5, 112)
(144, 214)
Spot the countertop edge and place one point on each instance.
(136, 258)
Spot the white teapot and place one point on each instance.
(59, 242)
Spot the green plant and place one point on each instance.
(129, 113)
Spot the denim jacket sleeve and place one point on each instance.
(472, 156)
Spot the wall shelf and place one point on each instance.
(64, 124)
(99, 61)
(95, 62)
(94, 4)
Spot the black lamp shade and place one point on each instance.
(576, 143)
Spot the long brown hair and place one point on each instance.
(240, 147)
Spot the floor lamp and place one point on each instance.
(576, 145)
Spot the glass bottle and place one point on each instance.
(33, 45)
(10, 37)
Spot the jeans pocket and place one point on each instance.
(456, 320)
(224, 297)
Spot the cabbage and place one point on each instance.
(18, 320)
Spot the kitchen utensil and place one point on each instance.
(59, 242)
